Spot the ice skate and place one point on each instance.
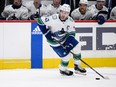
(79, 70)
(66, 72)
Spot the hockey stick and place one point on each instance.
(84, 62)
(74, 54)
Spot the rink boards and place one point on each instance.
(22, 45)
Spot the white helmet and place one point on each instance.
(65, 7)
(83, 2)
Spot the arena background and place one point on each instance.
(22, 45)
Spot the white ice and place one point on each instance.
(52, 78)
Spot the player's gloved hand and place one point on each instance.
(70, 43)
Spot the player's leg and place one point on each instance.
(63, 66)
(77, 65)
(65, 57)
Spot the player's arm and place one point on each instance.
(46, 30)
(6, 12)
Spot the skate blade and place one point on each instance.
(80, 73)
(67, 75)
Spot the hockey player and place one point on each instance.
(35, 8)
(59, 30)
(54, 7)
(82, 13)
(15, 11)
(99, 6)
(113, 14)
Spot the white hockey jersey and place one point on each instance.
(113, 14)
(32, 10)
(57, 27)
(52, 10)
(94, 10)
(20, 13)
(76, 15)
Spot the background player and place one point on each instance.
(82, 13)
(54, 7)
(16, 11)
(36, 9)
(99, 6)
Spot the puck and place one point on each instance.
(97, 78)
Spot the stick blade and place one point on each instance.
(106, 77)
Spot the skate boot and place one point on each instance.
(66, 72)
(79, 70)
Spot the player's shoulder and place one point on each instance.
(114, 9)
(70, 19)
(76, 10)
(105, 8)
(23, 8)
(8, 6)
(89, 11)
(50, 18)
(54, 17)
(92, 7)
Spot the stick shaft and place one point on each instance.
(88, 65)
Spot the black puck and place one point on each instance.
(97, 78)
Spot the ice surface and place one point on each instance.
(52, 78)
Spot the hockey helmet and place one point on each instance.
(83, 2)
(65, 7)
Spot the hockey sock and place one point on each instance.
(63, 65)
(76, 59)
